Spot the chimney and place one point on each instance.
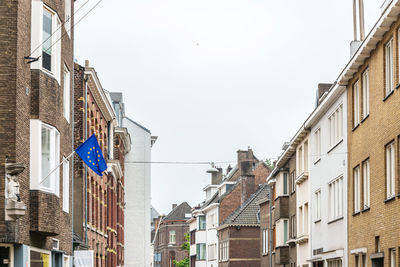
(355, 44)
(87, 63)
(174, 206)
(247, 181)
(245, 156)
(216, 177)
(322, 92)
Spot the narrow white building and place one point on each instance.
(137, 190)
(328, 178)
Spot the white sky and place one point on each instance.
(210, 77)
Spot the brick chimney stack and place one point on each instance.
(216, 178)
(247, 180)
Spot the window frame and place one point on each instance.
(365, 94)
(317, 144)
(366, 179)
(336, 198)
(356, 104)
(172, 237)
(389, 83)
(66, 172)
(317, 205)
(67, 93)
(356, 189)
(390, 180)
(202, 225)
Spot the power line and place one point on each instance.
(62, 24)
(181, 162)
(72, 27)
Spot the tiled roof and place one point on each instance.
(178, 213)
(247, 213)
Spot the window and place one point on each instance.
(366, 180)
(67, 22)
(172, 237)
(305, 230)
(356, 181)
(45, 36)
(50, 151)
(258, 216)
(317, 146)
(392, 253)
(389, 67)
(300, 224)
(202, 222)
(360, 260)
(285, 230)
(200, 252)
(336, 126)
(293, 181)
(265, 241)
(356, 105)
(285, 184)
(335, 263)
(390, 170)
(318, 205)
(336, 198)
(224, 251)
(39, 259)
(67, 92)
(293, 226)
(65, 185)
(212, 252)
(365, 94)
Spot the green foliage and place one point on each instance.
(185, 246)
(270, 164)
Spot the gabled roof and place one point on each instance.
(179, 212)
(246, 215)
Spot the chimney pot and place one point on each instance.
(87, 63)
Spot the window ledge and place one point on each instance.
(366, 117)
(398, 86)
(318, 160)
(355, 127)
(356, 213)
(336, 145)
(366, 209)
(317, 221)
(386, 97)
(336, 220)
(389, 199)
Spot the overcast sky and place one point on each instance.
(210, 77)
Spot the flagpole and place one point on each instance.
(70, 155)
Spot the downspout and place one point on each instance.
(270, 237)
(72, 146)
(85, 192)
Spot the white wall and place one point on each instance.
(332, 165)
(137, 197)
(212, 237)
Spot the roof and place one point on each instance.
(179, 212)
(137, 124)
(246, 214)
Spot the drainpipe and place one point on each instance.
(86, 209)
(270, 237)
(72, 146)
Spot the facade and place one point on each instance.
(373, 130)
(328, 177)
(36, 129)
(98, 205)
(137, 189)
(239, 234)
(170, 236)
(279, 235)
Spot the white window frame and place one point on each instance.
(356, 104)
(172, 237)
(392, 255)
(365, 90)
(336, 126)
(199, 250)
(317, 144)
(265, 242)
(356, 189)
(65, 167)
(366, 184)
(67, 21)
(390, 169)
(38, 8)
(36, 175)
(317, 205)
(224, 250)
(285, 228)
(389, 69)
(67, 93)
(201, 226)
(212, 253)
(336, 198)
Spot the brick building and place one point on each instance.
(279, 235)
(239, 234)
(373, 129)
(35, 131)
(170, 236)
(99, 200)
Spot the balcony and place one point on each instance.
(282, 255)
(302, 239)
(302, 177)
(44, 213)
(282, 208)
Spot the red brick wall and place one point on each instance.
(229, 204)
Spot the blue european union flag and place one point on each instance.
(91, 154)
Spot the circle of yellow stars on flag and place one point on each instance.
(98, 156)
